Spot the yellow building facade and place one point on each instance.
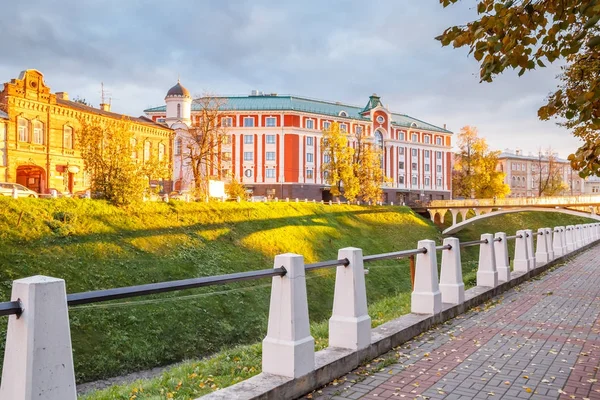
(38, 131)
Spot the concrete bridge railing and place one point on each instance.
(38, 361)
(518, 201)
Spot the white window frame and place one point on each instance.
(270, 173)
(274, 122)
(248, 139)
(270, 156)
(309, 123)
(268, 139)
(309, 157)
(246, 125)
(226, 122)
(248, 156)
(38, 132)
(309, 141)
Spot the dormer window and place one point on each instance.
(413, 125)
(343, 114)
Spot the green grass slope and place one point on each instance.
(194, 378)
(94, 246)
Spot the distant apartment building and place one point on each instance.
(274, 148)
(523, 173)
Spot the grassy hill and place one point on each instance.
(94, 246)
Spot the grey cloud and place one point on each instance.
(341, 50)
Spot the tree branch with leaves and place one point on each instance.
(524, 35)
(202, 142)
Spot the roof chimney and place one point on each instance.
(444, 126)
(62, 95)
(105, 107)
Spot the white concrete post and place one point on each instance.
(570, 239)
(38, 360)
(557, 242)
(549, 246)
(350, 324)
(15, 193)
(541, 251)
(530, 249)
(521, 261)
(289, 349)
(501, 253)
(451, 280)
(426, 297)
(563, 239)
(487, 275)
(578, 237)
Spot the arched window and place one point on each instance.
(133, 143)
(379, 144)
(178, 110)
(161, 151)
(68, 137)
(23, 129)
(38, 132)
(343, 114)
(178, 146)
(147, 147)
(379, 139)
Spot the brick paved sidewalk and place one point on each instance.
(540, 340)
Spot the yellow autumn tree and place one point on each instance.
(109, 151)
(337, 166)
(475, 172)
(367, 165)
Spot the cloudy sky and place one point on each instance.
(339, 50)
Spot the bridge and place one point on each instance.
(465, 212)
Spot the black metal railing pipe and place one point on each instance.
(162, 287)
(498, 239)
(473, 243)
(327, 264)
(397, 254)
(10, 308)
(444, 247)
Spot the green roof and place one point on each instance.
(303, 104)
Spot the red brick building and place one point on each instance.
(274, 146)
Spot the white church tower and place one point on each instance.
(179, 110)
(179, 106)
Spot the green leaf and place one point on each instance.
(540, 63)
(594, 41)
(522, 71)
(569, 114)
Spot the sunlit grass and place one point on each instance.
(95, 246)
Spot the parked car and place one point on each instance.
(6, 189)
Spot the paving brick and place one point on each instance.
(552, 339)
